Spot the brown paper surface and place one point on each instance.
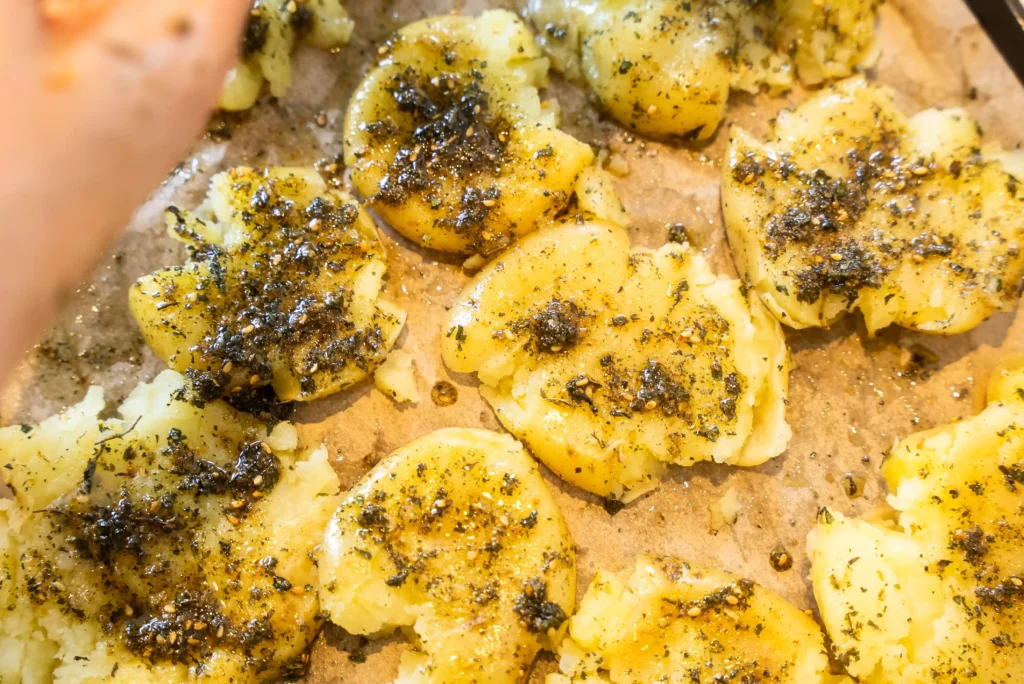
(850, 397)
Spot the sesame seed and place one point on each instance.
(153, 506)
(653, 109)
(220, 631)
(129, 611)
(59, 586)
(233, 520)
(694, 612)
(256, 494)
(314, 225)
(835, 256)
(258, 480)
(248, 329)
(236, 504)
(920, 170)
(275, 260)
(652, 404)
(732, 600)
(298, 591)
(169, 608)
(173, 637)
(1017, 582)
(489, 202)
(254, 379)
(227, 367)
(749, 178)
(469, 132)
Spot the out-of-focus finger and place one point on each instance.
(19, 37)
(110, 111)
(72, 16)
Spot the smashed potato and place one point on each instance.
(448, 139)
(270, 35)
(282, 289)
(456, 539)
(608, 362)
(670, 622)
(169, 543)
(396, 377)
(854, 205)
(664, 68)
(936, 593)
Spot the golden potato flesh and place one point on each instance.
(282, 289)
(608, 362)
(936, 593)
(271, 33)
(670, 622)
(456, 539)
(664, 68)
(169, 543)
(449, 140)
(853, 205)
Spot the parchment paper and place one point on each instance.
(850, 398)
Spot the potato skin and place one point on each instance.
(933, 592)
(666, 620)
(448, 139)
(172, 540)
(282, 290)
(609, 362)
(853, 205)
(456, 537)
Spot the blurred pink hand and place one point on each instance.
(101, 99)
